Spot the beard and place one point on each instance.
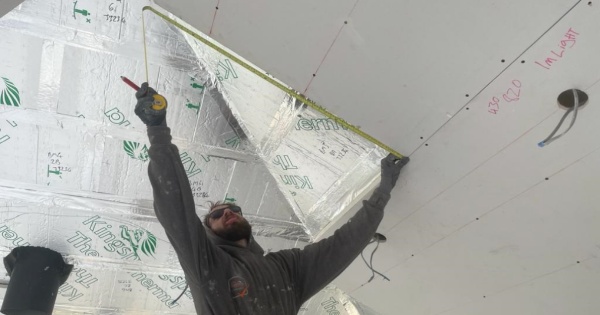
(236, 231)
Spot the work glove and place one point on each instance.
(390, 171)
(143, 108)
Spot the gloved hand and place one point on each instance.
(143, 108)
(390, 171)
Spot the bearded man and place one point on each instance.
(227, 272)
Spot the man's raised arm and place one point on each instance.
(173, 199)
(321, 262)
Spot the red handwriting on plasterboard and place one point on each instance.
(513, 94)
(568, 41)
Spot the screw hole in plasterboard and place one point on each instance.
(426, 144)
(502, 60)
(522, 61)
(467, 108)
(345, 22)
(421, 138)
(590, 3)
(547, 178)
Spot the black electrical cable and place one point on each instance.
(184, 289)
(373, 271)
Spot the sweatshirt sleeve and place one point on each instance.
(320, 263)
(174, 205)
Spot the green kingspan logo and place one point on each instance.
(9, 94)
(135, 150)
(139, 239)
(132, 244)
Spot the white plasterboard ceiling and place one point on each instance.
(483, 221)
(8, 5)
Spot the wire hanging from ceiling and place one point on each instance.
(551, 138)
(180, 295)
(370, 263)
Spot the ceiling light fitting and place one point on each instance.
(572, 100)
(379, 237)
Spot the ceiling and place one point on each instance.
(483, 220)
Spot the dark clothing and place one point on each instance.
(226, 279)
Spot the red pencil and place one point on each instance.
(133, 86)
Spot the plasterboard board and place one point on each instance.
(508, 174)
(512, 172)
(527, 239)
(401, 69)
(512, 164)
(475, 135)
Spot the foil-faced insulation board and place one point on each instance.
(74, 177)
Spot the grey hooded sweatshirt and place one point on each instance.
(226, 279)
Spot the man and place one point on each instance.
(227, 271)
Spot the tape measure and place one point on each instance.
(262, 75)
(159, 102)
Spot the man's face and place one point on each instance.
(228, 223)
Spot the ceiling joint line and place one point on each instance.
(568, 266)
(472, 221)
(591, 86)
(574, 162)
(470, 172)
(353, 7)
(495, 208)
(214, 18)
(521, 283)
(496, 77)
(330, 47)
(324, 57)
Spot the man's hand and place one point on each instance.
(143, 108)
(390, 171)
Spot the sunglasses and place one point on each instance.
(219, 213)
